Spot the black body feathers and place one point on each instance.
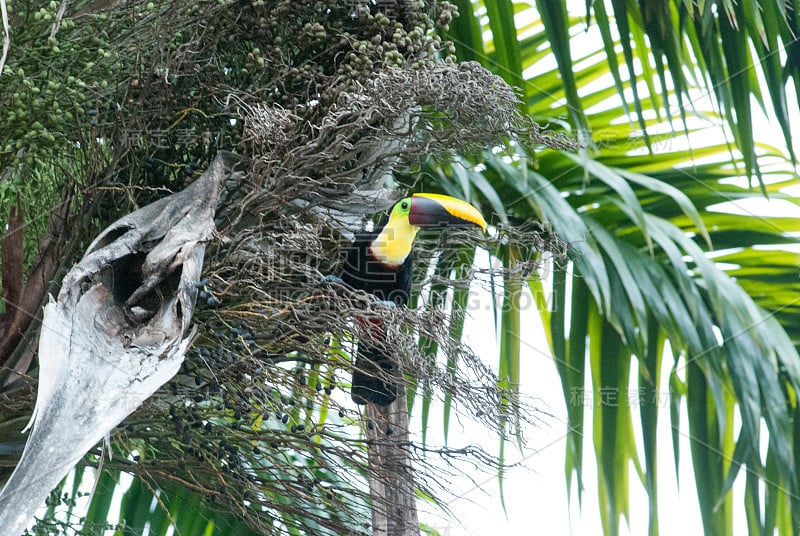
(387, 283)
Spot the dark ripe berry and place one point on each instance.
(208, 427)
(256, 450)
(285, 418)
(328, 391)
(309, 404)
(319, 386)
(137, 458)
(389, 430)
(302, 380)
(203, 282)
(202, 295)
(370, 425)
(341, 414)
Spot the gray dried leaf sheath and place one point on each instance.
(113, 336)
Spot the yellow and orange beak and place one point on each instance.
(436, 210)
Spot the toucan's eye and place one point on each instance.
(404, 205)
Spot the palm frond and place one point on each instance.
(658, 259)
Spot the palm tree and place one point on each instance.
(655, 271)
(109, 109)
(661, 268)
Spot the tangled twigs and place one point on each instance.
(394, 119)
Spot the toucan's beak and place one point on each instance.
(435, 210)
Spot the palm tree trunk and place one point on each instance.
(391, 475)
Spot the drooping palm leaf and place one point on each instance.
(653, 260)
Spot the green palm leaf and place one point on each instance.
(653, 260)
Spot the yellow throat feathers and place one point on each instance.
(394, 242)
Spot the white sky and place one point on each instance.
(536, 493)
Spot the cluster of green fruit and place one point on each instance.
(312, 47)
(54, 74)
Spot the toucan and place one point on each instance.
(380, 262)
